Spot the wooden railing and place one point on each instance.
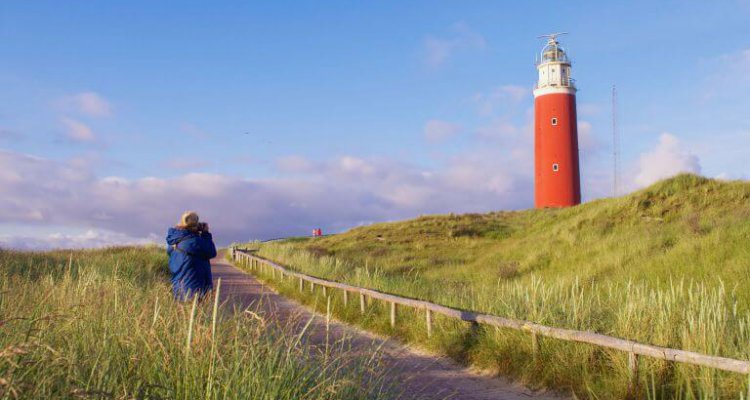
(634, 349)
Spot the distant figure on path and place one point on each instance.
(190, 247)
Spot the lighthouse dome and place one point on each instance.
(553, 52)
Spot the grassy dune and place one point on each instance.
(667, 265)
(102, 324)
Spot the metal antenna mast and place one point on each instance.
(615, 146)
(552, 36)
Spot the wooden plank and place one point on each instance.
(346, 298)
(362, 303)
(393, 315)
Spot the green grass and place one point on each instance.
(668, 265)
(102, 324)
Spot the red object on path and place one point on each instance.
(557, 181)
(317, 232)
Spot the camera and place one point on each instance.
(203, 226)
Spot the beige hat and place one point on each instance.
(189, 219)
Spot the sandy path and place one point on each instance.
(418, 375)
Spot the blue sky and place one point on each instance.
(274, 118)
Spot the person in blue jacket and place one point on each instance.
(190, 248)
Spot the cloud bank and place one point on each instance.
(333, 195)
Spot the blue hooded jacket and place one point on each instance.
(189, 261)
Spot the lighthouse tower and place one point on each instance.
(556, 177)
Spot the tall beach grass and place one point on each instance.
(102, 324)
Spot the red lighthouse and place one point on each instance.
(557, 180)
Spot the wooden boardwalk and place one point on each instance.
(416, 375)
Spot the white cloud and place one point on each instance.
(498, 129)
(355, 166)
(503, 98)
(439, 50)
(667, 159)
(77, 131)
(87, 103)
(436, 130)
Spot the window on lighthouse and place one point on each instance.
(554, 121)
(555, 167)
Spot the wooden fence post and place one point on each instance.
(312, 287)
(362, 303)
(393, 314)
(346, 297)
(428, 320)
(328, 312)
(534, 346)
(301, 285)
(325, 291)
(633, 370)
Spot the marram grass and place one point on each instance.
(668, 265)
(102, 324)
